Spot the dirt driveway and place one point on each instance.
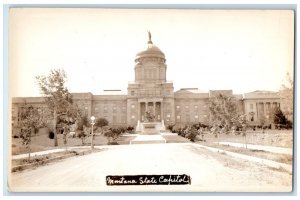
(208, 171)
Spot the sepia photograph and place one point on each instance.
(150, 100)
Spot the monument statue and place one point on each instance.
(149, 37)
(149, 116)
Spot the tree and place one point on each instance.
(81, 128)
(100, 123)
(57, 97)
(242, 122)
(287, 97)
(112, 134)
(30, 120)
(262, 121)
(223, 110)
(279, 118)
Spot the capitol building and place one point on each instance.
(152, 92)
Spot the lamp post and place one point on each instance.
(93, 123)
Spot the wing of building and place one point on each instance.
(151, 92)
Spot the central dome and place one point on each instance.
(152, 51)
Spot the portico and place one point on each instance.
(152, 105)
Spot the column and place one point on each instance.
(265, 111)
(154, 106)
(257, 110)
(146, 103)
(139, 110)
(162, 111)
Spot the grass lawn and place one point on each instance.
(35, 161)
(43, 142)
(282, 158)
(278, 138)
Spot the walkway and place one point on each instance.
(209, 171)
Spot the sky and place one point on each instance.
(241, 50)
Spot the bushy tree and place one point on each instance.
(113, 134)
(81, 128)
(279, 118)
(31, 121)
(100, 123)
(223, 110)
(57, 97)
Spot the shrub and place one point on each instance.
(191, 134)
(130, 129)
(81, 135)
(170, 127)
(51, 135)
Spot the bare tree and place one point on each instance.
(57, 97)
(287, 97)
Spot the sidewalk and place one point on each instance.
(281, 150)
(39, 153)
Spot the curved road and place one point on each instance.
(209, 171)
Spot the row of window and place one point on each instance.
(114, 109)
(150, 93)
(187, 118)
(187, 107)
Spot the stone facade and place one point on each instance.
(151, 92)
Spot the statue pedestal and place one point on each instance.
(138, 128)
(149, 128)
(152, 127)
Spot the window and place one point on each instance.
(114, 108)
(132, 117)
(177, 107)
(187, 118)
(178, 117)
(132, 106)
(196, 107)
(168, 115)
(186, 108)
(124, 119)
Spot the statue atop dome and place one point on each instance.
(149, 38)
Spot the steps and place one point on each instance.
(148, 139)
